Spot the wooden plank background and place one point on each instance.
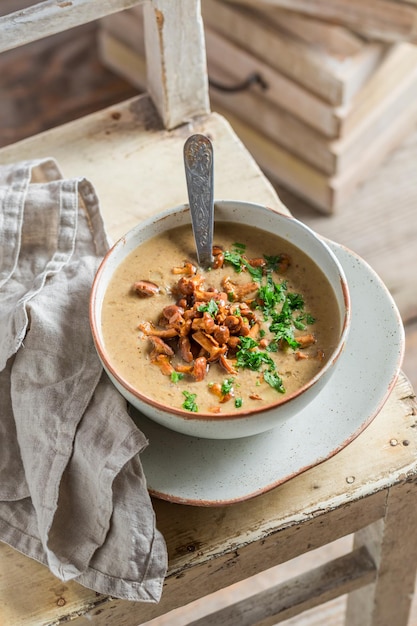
(60, 78)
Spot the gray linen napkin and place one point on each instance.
(72, 490)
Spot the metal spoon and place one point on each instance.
(198, 161)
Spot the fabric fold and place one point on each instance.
(72, 490)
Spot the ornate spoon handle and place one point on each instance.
(198, 161)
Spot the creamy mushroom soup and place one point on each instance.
(253, 329)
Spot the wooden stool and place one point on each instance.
(132, 153)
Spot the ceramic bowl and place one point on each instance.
(255, 420)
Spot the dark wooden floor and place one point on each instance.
(60, 78)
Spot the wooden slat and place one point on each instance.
(389, 598)
(379, 19)
(230, 63)
(279, 125)
(390, 82)
(336, 40)
(51, 16)
(378, 222)
(336, 81)
(310, 589)
(176, 60)
(328, 194)
(397, 67)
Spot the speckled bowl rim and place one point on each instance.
(95, 318)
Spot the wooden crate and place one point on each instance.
(334, 105)
(383, 20)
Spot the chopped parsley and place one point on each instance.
(283, 332)
(236, 258)
(271, 377)
(295, 301)
(210, 307)
(283, 320)
(251, 357)
(189, 403)
(270, 295)
(272, 262)
(301, 318)
(283, 314)
(227, 386)
(284, 311)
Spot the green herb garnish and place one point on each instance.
(284, 331)
(272, 262)
(270, 295)
(247, 343)
(238, 402)
(250, 357)
(255, 272)
(272, 378)
(302, 320)
(295, 301)
(210, 307)
(189, 403)
(283, 320)
(227, 386)
(235, 258)
(176, 377)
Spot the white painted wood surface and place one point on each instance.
(281, 91)
(174, 39)
(136, 166)
(176, 60)
(53, 16)
(137, 169)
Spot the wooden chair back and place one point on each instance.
(174, 43)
